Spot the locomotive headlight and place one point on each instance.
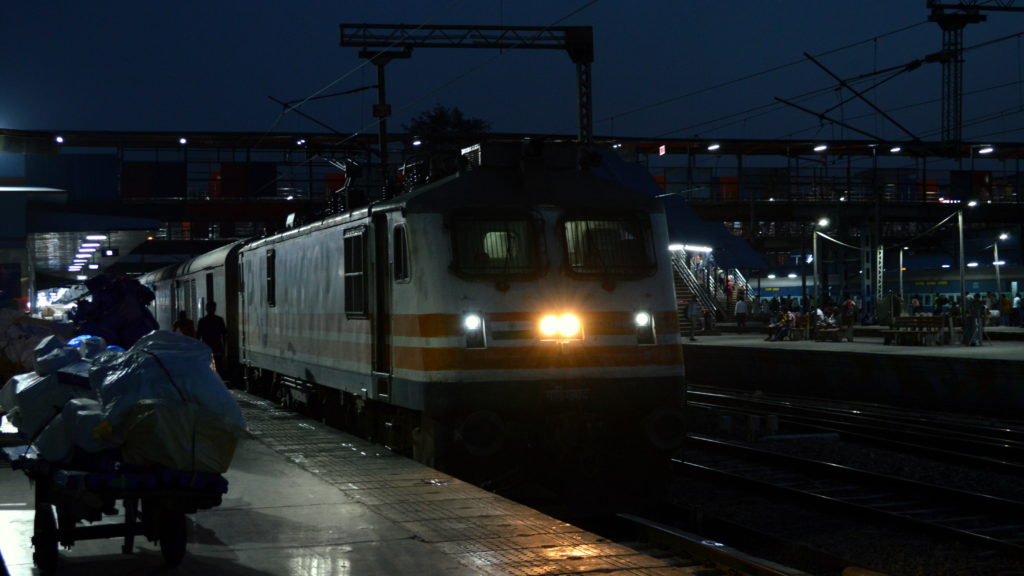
(644, 327)
(473, 325)
(558, 327)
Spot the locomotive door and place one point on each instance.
(382, 305)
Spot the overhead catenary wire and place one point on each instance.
(751, 76)
(425, 95)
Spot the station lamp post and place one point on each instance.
(822, 223)
(963, 282)
(996, 262)
(901, 272)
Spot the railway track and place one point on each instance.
(954, 439)
(996, 523)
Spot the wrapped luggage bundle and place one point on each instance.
(159, 402)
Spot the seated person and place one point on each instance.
(777, 323)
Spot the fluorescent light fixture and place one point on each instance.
(895, 149)
(946, 266)
(59, 139)
(771, 276)
(182, 141)
(96, 237)
(999, 263)
(791, 275)
(84, 250)
(93, 266)
(986, 150)
(90, 244)
(821, 148)
(972, 264)
(81, 277)
(697, 248)
(714, 147)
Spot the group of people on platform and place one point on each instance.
(784, 316)
(784, 320)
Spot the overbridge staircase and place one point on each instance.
(712, 300)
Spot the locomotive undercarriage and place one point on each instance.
(577, 456)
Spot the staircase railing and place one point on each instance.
(699, 291)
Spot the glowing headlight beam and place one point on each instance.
(564, 326)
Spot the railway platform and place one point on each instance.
(981, 380)
(307, 499)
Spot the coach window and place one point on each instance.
(355, 274)
(609, 246)
(271, 278)
(401, 255)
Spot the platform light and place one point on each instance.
(90, 244)
(108, 252)
(791, 275)
(895, 150)
(821, 148)
(81, 277)
(96, 237)
(93, 266)
(182, 141)
(714, 147)
(59, 139)
(986, 150)
(86, 250)
(972, 264)
(771, 276)
(947, 266)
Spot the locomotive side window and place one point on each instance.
(609, 247)
(495, 247)
(355, 274)
(271, 279)
(401, 255)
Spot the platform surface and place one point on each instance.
(305, 499)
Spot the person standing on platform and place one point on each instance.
(741, 313)
(213, 332)
(184, 325)
(847, 316)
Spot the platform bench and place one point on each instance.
(826, 334)
(916, 330)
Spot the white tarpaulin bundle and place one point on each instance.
(160, 402)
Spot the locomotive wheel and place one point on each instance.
(44, 539)
(172, 536)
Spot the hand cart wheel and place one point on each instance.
(172, 536)
(44, 539)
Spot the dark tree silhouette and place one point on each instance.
(442, 127)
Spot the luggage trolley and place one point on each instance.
(154, 501)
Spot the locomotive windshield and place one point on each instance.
(495, 247)
(609, 246)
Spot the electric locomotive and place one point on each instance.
(520, 310)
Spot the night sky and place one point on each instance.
(662, 68)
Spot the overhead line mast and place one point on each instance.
(953, 23)
(397, 41)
